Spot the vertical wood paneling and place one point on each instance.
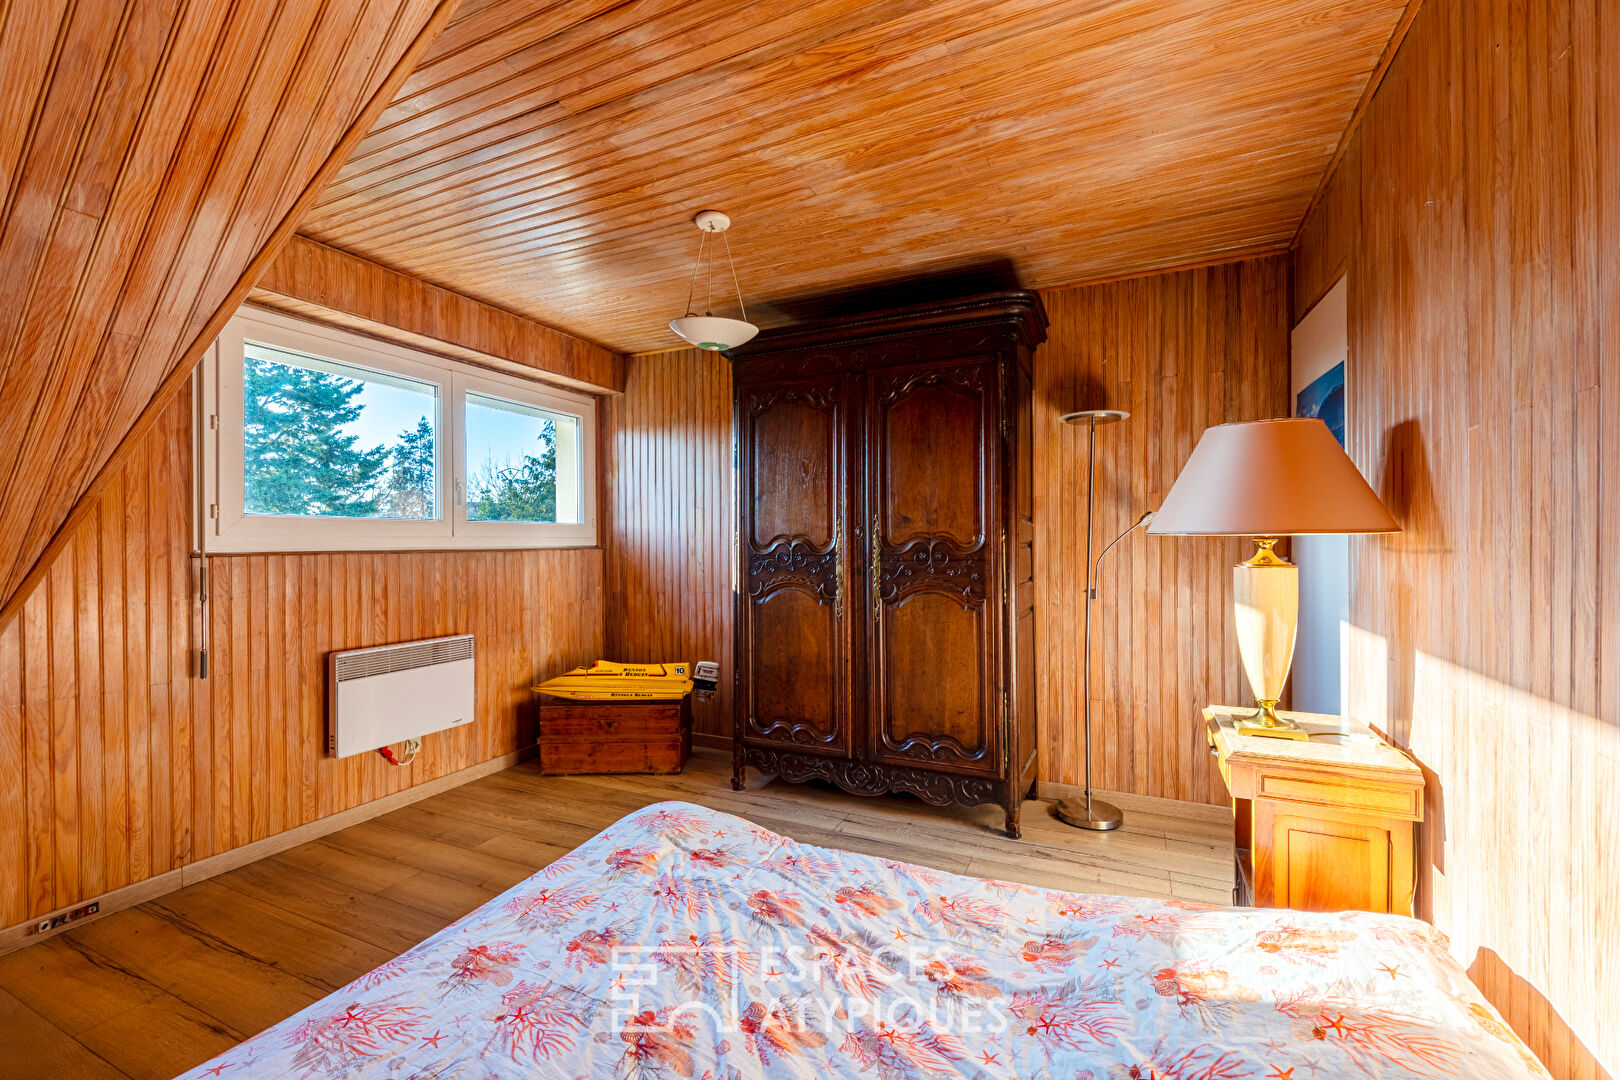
(671, 520)
(1476, 213)
(35, 658)
(117, 763)
(13, 774)
(1179, 352)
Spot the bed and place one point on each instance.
(685, 943)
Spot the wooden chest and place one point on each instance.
(614, 736)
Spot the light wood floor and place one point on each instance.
(152, 991)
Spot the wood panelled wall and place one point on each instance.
(671, 517)
(312, 281)
(117, 763)
(1477, 214)
(149, 154)
(1179, 352)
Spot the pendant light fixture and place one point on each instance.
(709, 331)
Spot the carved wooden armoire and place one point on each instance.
(885, 625)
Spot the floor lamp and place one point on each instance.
(1093, 813)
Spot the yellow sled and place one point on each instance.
(608, 681)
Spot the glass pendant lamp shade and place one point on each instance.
(711, 331)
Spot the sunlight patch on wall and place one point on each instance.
(1522, 806)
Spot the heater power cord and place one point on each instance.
(412, 748)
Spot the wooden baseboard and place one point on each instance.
(1143, 804)
(1047, 789)
(16, 937)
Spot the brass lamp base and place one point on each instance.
(1266, 723)
(1102, 817)
(1265, 592)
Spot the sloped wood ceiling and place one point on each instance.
(149, 153)
(547, 156)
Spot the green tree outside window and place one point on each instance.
(526, 491)
(410, 488)
(296, 458)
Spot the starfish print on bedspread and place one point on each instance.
(539, 1020)
(1368, 1035)
(330, 1042)
(1073, 1017)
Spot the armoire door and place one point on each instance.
(932, 465)
(794, 643)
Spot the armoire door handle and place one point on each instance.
(877, 571)
(838, 571)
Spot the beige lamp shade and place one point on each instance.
(1270, 478)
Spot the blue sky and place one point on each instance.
(389, 410)
(393, 406)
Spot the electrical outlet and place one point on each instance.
(46, 925)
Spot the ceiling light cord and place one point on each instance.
(708, 285)
(707, 270)
(733, 264)
(691, 290)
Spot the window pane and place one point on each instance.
(326, 439)
(522, 462)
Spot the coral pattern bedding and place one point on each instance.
(685, 943)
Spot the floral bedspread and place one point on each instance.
(685, 943)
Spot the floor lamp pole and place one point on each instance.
(1093, 813)
(1091, 595)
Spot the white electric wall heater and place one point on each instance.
(396, 692)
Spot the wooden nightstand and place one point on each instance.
(1322, 824)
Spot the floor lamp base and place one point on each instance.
(1102, 818)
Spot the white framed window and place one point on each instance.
(314, 439)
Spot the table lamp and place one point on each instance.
(1268, 479)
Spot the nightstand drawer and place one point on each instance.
(1344, 793)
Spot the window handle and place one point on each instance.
(461, 492)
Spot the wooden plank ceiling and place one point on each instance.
(150, 152)
(547, 154)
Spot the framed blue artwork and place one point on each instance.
(1324, 398)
